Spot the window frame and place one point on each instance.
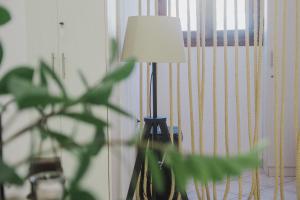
(162, 10)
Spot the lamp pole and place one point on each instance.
(154, 71)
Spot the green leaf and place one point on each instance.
(208, 168)
(251, 160)
(113, 51)
(83, 80)
(216, 173)
(101, 93)
(198, 168)
(86, 117)
(64, 141)
(98, 95)
(79, 194)
(230, 167)
(118, 110)
(9, 175)
(25, 73)
(28, 95)
(43, 79)
(46, 69)
(179, 169)
(120, 73)
(157, 175)
(4, 16)
(1, 53)
(98, 142)
(83, 166)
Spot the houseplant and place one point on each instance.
(26, 93)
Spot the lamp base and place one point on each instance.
(155, 129)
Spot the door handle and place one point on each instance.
(52, 61)
(63, 60)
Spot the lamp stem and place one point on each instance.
(154, 71)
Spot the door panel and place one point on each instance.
(42, 38)
(82, 38)
(42, 31)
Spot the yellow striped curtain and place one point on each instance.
(222, 79)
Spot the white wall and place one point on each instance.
(129, 100)
(13, 37)
(114, 131)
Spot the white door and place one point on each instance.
(42, 31)
(42, 38)
(83, 46)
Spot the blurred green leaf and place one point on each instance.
(85, 157)
(113, 51)
(83, 80)
(63, 140)
(208, 168)
(249, 160)
(97, 143)
(157, 175)
(84, 161)
(85, 117)
(98, 95)
(28, 95)
(9, 175)
(198, 168)
(1, 53)
(118, 110)
(215, 172)
(25, 73)
(44, 137)
(46, 69)
(79, 194)
(120, 73)
(4, 16)
(43, 78)
(179, 169)
(230, 168)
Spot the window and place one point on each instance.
(219, 20)
(230, 14)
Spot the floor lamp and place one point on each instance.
(153, 39)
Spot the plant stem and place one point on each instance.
(30, 127)
(4, 107)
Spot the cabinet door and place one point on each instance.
(42, 38)
(83, 47)
(42, 31)
(83, 40)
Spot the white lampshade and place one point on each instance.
(154, 39)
